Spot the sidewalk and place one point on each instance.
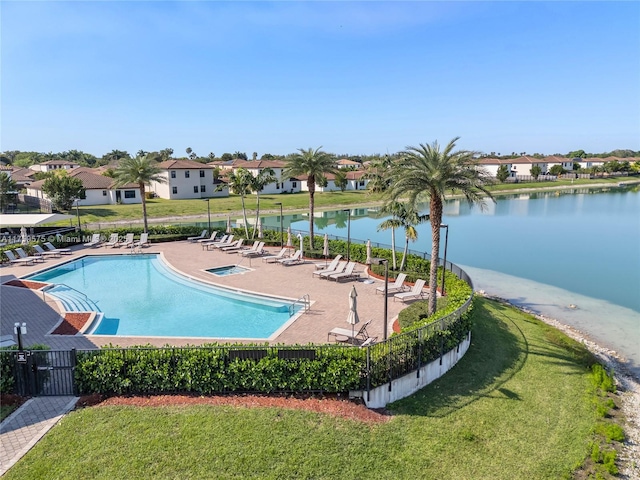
(24, 427)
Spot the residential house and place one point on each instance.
(53, 165)
(281, 185)
(355, 181)
(186, 179)
(99, 189)
(345, 163)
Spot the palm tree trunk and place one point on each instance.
(144, 205)
(393, 248)
(244, 216)
(255, 227)
(404, 254)
(435, 212)
(311, 183)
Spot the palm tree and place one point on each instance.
(393, 209)
(428, 171)
(377, 174)
(314, 164)
(142, 171)
(240, 181)
(409, 218)
(264, 178)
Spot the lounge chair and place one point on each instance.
(229, 242)
(52, 248)
(339, 269)
(294, 259)
(348, 273)
(22, 254)
(13, 259)
(95, 241)
(44, 253)
(328, 268)
(415, 292)
(143, 242)
(128, 240)
(234, 247)
(113, 242)
(212, 238)
(395, 287)
(274, 258)
(202, 236)
(352, 336)
(7, 341)
(254, 252)
(208, 243)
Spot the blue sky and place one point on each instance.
(354, 77)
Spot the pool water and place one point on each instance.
(141, 296)
(228, 270)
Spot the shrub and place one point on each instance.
(602, 379)
(611, 432)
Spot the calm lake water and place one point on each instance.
(544, 251)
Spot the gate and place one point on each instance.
(47, 373)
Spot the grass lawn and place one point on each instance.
(518, 405)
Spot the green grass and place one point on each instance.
(518, 405)
(6, 410)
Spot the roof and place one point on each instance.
(89, 179)
(182, 165)
(59, 162)
(345, 161)
(31, 219)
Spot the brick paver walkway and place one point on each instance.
(24, 427)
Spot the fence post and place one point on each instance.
(74, 363)
(419, 352)
(368, 372)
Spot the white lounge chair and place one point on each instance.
(222, 244)
(395, 287)
(143, 242)
(292, 260)
(274, 258)
(254, 252)
(114, 241)
(212, 238)
(339, 269)
(52, 248)
(234, 247)
(329, 268)
(208, 243)
(22, 254)
(13, 259)
(351, 336)
(95, 241)
(348, 274)
(44, 253)
(202, 236)
(128, 240)
(415, 292)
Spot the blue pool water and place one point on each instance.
(228, 270)
(141, 296)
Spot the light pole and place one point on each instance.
(208, 216)
(281, 231)
(348, 232)
(381, 261)
(19, 329)
(444, 267)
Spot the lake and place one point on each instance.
(545, 251)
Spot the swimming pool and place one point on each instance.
(228, 270)
(141, 296)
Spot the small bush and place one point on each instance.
(602, 379)
(611, 432)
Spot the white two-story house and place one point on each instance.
(186, 179)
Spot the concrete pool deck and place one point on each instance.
(329, 308)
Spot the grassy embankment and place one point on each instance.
(518, 405)
(159, 208)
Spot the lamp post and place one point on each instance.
(348, 232)
(444, 267)
(281, 231)
(208, 216)
(385, 261)
(19, 329)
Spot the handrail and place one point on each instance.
(305, 300)
(71, 288)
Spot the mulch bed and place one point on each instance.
(72, 323)
(331, 405)
(25, 284)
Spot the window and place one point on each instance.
(362, 183)
(104, 193)
(278, 186)
(195, 189)
(203, 188)
(175, 190)
(201, 173)
(294, 184)
(186, 174)
(129, 194)
(173, 174)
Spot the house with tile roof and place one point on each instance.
(186, 179)
(99, 189)
(355, 181)
(281, 185)
(346, 163)
(53, 165)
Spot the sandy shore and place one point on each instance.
(628, 386)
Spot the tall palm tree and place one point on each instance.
(409, 218)
(240, 181)
(261, 180)
(314, 164)
(377, 174)
(392, 208)
(430, 172)
(142, 171)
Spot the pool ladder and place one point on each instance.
(304, 300)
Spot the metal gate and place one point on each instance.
(46, 372)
